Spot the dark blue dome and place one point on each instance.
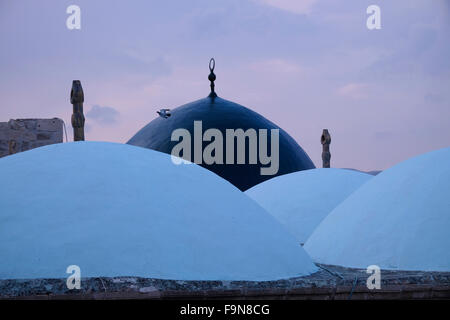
(221, 114)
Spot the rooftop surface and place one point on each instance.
(329, 283)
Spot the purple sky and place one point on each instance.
(305, 65)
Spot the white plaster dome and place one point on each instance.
(120, 210)
(400, 219)
(301, 200)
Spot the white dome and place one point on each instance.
(120, 210)
(301, 200)
(400, 219)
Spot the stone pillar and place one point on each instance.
(325, 140)
(12, 146)
(77, 99)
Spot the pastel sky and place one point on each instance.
(306, 65)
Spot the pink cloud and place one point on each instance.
(294, 6)
(353, 90)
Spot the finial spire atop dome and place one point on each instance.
(212, 76)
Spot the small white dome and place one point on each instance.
(301, 200)
(400, 219)
(120, 210)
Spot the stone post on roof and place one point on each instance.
(77, 99)
(325, 140)
(12, 146)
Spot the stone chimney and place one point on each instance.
(77, 99)
(325, 140)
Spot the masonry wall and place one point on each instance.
(25, 134)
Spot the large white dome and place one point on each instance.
(400, 219)
(301, 200)
(120, 210)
